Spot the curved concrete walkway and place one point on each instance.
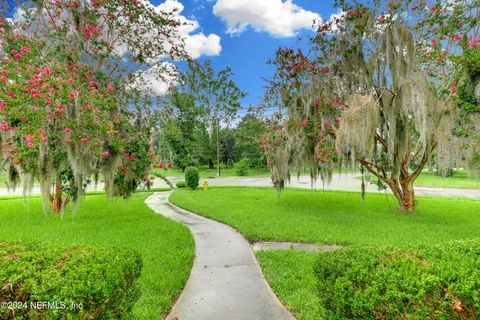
(226, 281)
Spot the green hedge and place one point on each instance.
(192, 177)
(181, 184)
(242, 167)
(433, 282)
(43, 281)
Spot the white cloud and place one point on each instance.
(196, 44)
(279, 18)
(199, 44)
(148, 80)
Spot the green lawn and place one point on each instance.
(167, 247)
(326, 217)
(460, 179)
(333, 217)
(290, 274)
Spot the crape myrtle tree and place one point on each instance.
(304, 135)
(218, 97)
(454, 61)
(377, 61)
(382, 56)
(70, 106)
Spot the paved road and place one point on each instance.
(226, 281)
(346, 181)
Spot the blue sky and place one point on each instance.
(244, 34)
(247, 52)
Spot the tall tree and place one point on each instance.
(70, 105)
(217, 95)
(381, 57)
(381, 62)
(183, 132)
(247, 133)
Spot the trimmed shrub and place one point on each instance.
(46, 281)
(181, 184)
(433, 282)
(192, 177)
(242, 167)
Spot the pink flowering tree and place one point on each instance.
(398, 79)
(71, 107)
(303, 136)
(454, 63)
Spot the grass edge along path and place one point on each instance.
(166, 246)
(333, 217)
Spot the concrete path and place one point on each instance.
(226, 281)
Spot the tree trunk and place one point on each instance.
(408, 204)
(404, 193)
(218, 151)
(57, 202)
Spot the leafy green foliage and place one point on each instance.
(104, 281)
(183, 136)
(242, 167)
(247, 135)
(112, 222)
(372, 282)
(217, 95)
(192, 177)
(181, 184)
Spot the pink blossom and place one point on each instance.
(68, 141)
(454, 87)
(17, 56)
(72, 95)
(68, 130)
(105, 153)
(47, 71)
(457, 37)
(84, 140)
(2, 105)
(473, 42)
(109, 86)
(25, 50)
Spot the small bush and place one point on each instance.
(242, 167)
(181, 184)
(433, 282)
(192, 177)
(103, 281)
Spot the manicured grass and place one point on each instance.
(460, 180)
(326, 217)
(333, 217)
(167, 247)
(290, 274)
